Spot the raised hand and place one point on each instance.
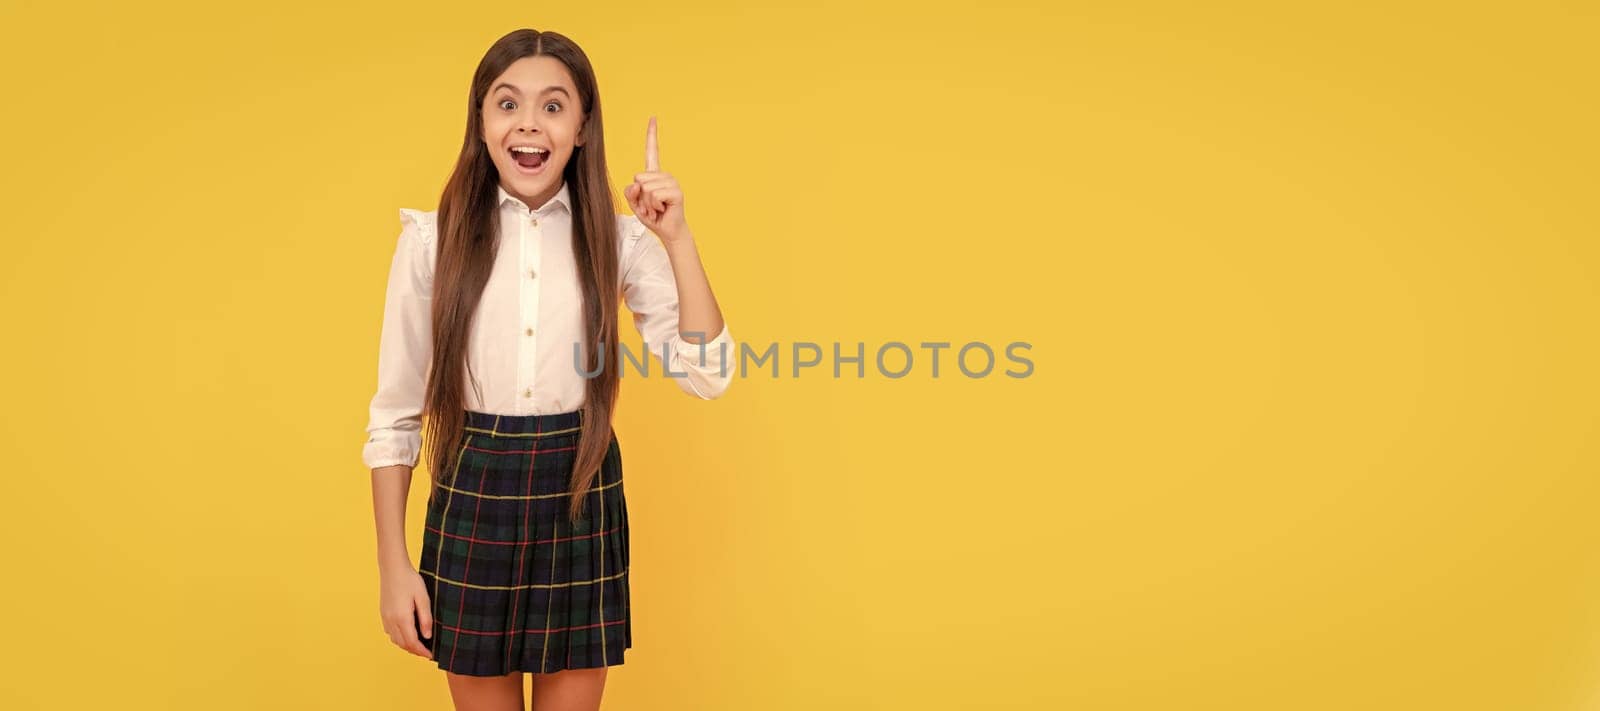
(654, 195)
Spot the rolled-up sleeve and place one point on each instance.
(394, 425)
(651, 293)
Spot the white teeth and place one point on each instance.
(527, 149)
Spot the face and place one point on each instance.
(533, 104)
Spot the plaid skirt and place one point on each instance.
(514, 584)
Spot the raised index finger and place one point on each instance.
(652, 162)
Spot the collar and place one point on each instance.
(563, 198)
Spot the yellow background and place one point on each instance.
(1311, 294)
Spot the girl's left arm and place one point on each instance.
(666, 287)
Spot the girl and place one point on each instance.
(500, 328)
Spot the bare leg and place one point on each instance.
(486, 693)
(569, 690)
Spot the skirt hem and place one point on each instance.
(521, 670)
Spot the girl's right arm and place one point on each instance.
(395, 426)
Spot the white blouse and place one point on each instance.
(520, 345)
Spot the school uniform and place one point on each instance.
(513, 583)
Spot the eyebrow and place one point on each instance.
(514, 90)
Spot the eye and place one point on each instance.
(556, 104)
(503, 103)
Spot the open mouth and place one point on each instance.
(530, 159)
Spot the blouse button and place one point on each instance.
(530, 330)
(533, 274)
(528, 392)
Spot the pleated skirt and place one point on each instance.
(514, 584)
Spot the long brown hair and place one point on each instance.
(466, 256)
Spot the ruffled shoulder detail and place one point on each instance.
(419, 237)
(424, 221)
